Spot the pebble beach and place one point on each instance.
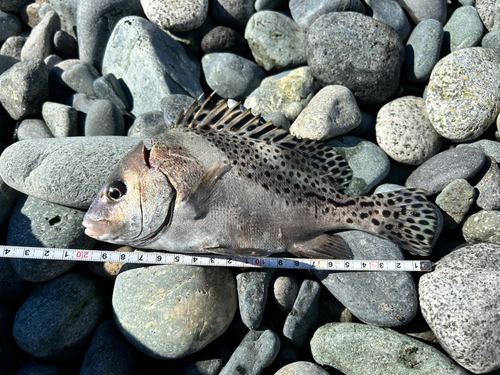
(407, 91)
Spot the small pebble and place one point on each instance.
(30, 13)
(81, 77)
(420, 10)
(108, 87)
(104, 118)
(65, 45)
(33, 129)
(39, 43)
(492, 41)
(482, 227)
(463, 30)
(391, 13)
(278, 119)
(10, 26)
(301, 368)
(148, 125)
(455, 201)
(51, 61)
(489, 188)
(174, 15)
(232, 13)
(62, 120)
(284, 291)
(13, 46)
(224, 39)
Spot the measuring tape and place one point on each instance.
(23, 252)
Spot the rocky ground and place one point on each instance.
(407, 91)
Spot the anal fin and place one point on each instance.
(329, 246)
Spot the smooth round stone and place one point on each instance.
(420, 10)
(358, 349)
(459, 300)
(284, 291)
(81, 77)
(463, 30)
(422, 51)
(153, 68)
(173, 105)
(13, 46)
(445, 167)
(278, 119)
(391, 13)
(83, 102)
(287, 92)
(332, 112)
(489, 188)
(73, 170)
(170, 312)
(39, 43)
(455, 201)
(232, 13)
(490, 148)
(276, 41)
(257, 350)
(175, 15)
(482, 227)
(224, 39)
(492, 41)
(232, 76)
(386, 188)
(51, 61)
(10, 26)
(148, 125)
(369, 164)
(109, 352)
(24, 88)
(61, 119)
(109, 88)
(253, 289)
(58, 317)
(305, 12)
(463, 98)
(486, 10)
(12, 287)
(33, 129)
(104, 118)
(38, 223)
(301, 368)
(344, 48)
(405, 133)
(65, 45)
(385, 299)
(270, 4)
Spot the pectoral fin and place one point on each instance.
(324, 246)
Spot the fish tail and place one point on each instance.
(405, 217)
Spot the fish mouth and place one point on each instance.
(96, 229)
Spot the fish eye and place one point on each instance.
(115, 190)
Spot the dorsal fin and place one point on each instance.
(240, 121)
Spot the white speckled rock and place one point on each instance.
(482, 227)
(404, 131)
(176, 15)
(460, 300)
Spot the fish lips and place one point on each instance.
(96, 229)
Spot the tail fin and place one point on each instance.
(407, 218)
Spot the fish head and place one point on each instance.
(135, 203)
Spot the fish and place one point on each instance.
(223, 181)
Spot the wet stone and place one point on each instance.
(420, 10)
(455, 201)
(489, 188)
(81, 77)
(104, 118)
(109, 88)
(285, 288)
(148, 125)
(301, 368)
(463, 30)
(62, 120)
(224, 39)
(10, 26)
(65, 45)
(33, 129)
(445, 167)
(13, 46)
(39, 43)
(482, 227)
(391, 13)
(174, 15)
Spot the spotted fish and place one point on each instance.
(223, 181)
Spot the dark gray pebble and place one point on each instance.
(7, 62)
(52, 61)
(10, 25)
(65, 45)
(270, 4)
(173, 105)
(224, 39)
(37, 368)
(12, 286)
(108, 87)
(81, 77)
(13, 46)
(391, 13)
(104, 118)
(148, 125)
(56, 320)
(232, 13)
(437, 172)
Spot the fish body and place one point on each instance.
(222, 181)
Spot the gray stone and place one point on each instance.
(455, 201)
(232, 76)
(278, 119)
(463, 30)
(8, 199)
(257, 351)
(287, 92)
(108, 87)
(109, 352)
(51, 61)
(270, 4)
(30, 13)
(482, 227)
(445, 167)
(284, 291)
(492, 41)
(422, 51)
(345, 48)
(461, 107)
(232, 13)
(332, 112)
(301, 368)
(155, 67)
(81, 77)
(391, 13)
(61, 119)
(460, 302)
(385, 299)
(33, 129)
(420, 10)
(59, 91)
(148, 125)
(486, 10)
(65, 45)
(12, 5)
(58, 317)
(66, 9)
(369, 164)
(169, 312)
(38, 368)
(39, 223)
(490, 148)
(175, 15)
(96, 20)
(12, 287)
(13, 46)
(405, 133)
(489, 188)
(7, 62)
(253, 289)
(39, 43)
(67, 171)
(224, 39)
(276, 41)
(308, 11)
(83, 102)
(303, 320)
(9, 26)
(358, 349)
(173, 105)
(23, 88)
(385, 188)
(104, 118)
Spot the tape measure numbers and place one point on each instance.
(23, 252)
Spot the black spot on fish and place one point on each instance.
(375, 222)
(349, 221)
(363, 215)
(265, 186)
